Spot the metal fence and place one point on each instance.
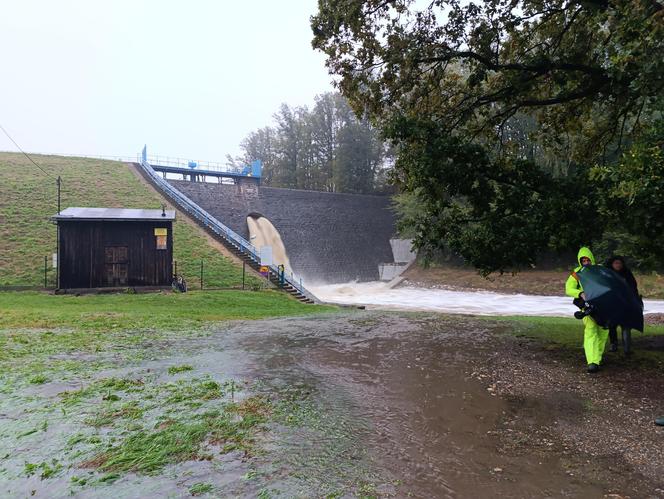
(198, 274)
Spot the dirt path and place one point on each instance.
(376, 404)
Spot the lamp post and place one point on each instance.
(57, 240)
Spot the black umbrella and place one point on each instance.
(613, 301)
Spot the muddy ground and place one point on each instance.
(354, 404)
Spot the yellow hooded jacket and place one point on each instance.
(573, 287)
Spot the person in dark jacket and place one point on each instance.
(617, 263)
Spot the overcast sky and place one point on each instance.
(189, 79)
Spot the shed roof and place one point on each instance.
(77, 214)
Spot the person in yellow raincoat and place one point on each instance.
(594, 336)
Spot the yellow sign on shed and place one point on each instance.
(161, 232)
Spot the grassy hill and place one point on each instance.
(28, 198)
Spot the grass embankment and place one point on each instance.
(99, 386)
(28, 198)
(537, 282)
(557, 333)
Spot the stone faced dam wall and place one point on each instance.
(329, 237)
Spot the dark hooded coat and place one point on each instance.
(625, 273)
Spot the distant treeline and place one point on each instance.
(326, 148)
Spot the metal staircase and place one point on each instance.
(239, 246)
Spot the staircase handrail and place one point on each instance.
(216, 226)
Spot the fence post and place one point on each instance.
(244, 264)
(45, 271)
(201, 275)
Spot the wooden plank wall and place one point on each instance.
(82, 253)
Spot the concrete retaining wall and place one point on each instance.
(329, 237)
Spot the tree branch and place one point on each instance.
(543, 67)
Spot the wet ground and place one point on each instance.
(364, 404)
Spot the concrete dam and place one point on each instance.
(328, 237)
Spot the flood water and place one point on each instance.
(401, 405)
(379, 295)
(391, 410)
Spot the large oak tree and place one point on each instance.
(459, 86)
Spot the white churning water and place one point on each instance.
(263, 233)
(378, 295)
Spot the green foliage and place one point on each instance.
(497, 212)
(325, 149)
(634, 198)
(498, 111)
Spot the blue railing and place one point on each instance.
(232, 237)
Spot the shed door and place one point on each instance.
(117, 268)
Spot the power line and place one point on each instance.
(25, 153)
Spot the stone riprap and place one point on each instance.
(329, 237)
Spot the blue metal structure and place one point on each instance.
(232, 238)
(194, 169)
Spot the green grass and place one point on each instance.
(153, 311)
(179, 369)
(201, 488)
(42, 333)
(136, 420)
(28, 198)
(564, 333)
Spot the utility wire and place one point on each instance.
(25, 153)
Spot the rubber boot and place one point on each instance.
(627, 341)
(593, 368)
(613, 339)
(659, 421)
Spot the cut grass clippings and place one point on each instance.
(173, 441)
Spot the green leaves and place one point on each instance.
(325, 148)
(634, 196)
(497, 213)
(498, 110)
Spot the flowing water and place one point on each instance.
(263, 233)
(380, 295)
(388, 408)
(396, 413)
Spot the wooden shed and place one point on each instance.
(114, 247)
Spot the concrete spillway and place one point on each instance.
(263, 233)
(329, 237)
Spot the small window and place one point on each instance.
(162, 238)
